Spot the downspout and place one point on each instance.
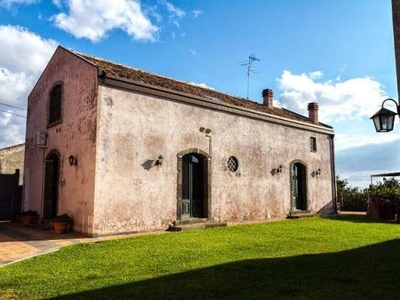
(333, 171)
(209, 144)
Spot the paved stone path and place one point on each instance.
(19, 242)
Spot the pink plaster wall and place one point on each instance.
(76, 135)
(134, 129)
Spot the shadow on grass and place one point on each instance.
(371, 272)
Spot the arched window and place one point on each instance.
(55, 104)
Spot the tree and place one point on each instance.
(351, 198)
(388, 188)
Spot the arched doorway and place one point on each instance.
(299, 186)
(51, 179)
(193, 185)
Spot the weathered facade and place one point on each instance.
(11, 159)
(396, 34)
(133, 151)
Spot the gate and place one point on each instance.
(9, 195)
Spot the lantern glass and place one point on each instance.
(383, 120)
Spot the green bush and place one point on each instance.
(353, 199)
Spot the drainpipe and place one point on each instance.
(43, 178)
(209, 144)
(333, 171)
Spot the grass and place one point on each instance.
(343, 257)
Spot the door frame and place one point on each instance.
(207, 181)
(305, 183)
(52, 153)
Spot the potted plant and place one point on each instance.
(61, 223)
(28, 217)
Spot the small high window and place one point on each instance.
(233, 164)
(313, 144)
(55, 104)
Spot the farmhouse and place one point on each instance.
(123, 150)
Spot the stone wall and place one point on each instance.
(12, 158)
(74, 135)
(134, 194)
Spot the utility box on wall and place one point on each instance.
(40, 139)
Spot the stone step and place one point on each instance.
(302, 214)
(193, 221)
(194, 226)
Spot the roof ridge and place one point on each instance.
(190, 88)
(192, 83)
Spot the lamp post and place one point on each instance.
(384, 118)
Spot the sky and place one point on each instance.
(337, 53)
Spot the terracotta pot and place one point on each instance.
(60, 227)
(26, 220)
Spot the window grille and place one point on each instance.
(313, 144)
(233, 164)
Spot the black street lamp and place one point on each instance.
(384, 118)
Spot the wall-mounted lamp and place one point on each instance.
(318, 172)
(279, 169)
(205, 130)
(73, 161)
(159, 160)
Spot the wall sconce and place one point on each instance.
(73, 161)
(159, 160)
(207, 131)
(279, 169)
(318, 172)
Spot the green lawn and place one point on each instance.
(341, 257)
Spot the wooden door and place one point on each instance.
(192, 186)
(299, 194)
(50, 200)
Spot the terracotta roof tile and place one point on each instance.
(118, 70)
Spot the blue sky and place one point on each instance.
(339, 53)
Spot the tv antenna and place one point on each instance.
(249, 65)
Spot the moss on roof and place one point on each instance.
(119, 70)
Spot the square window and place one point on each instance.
(313, 144)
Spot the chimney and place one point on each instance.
(313, 112)
(268, 96)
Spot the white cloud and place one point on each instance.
(11, 3)
(316, 75)
(93, 19)
(193, 52)
(350, 99)
(175, 13)
(23, 56)
(358, 163)
(23, 51)
(57, 3)
(203, 85)
(12, 85)
(339, 76)
(197, 12)
(345, 141)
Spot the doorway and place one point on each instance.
(299, 186)
(51, 179)
(194, 186)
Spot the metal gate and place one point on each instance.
(9, 195)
